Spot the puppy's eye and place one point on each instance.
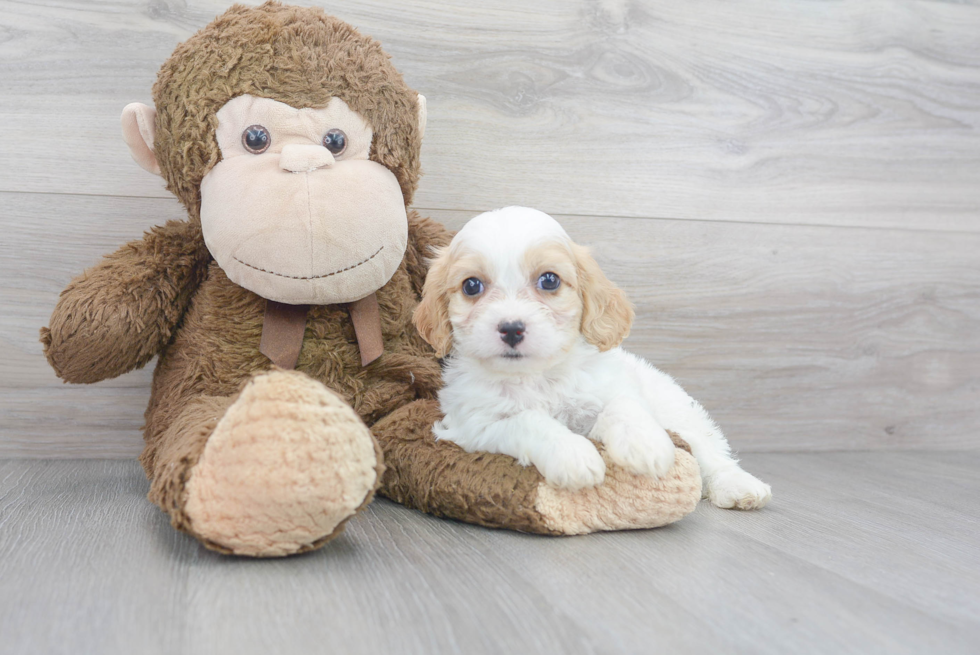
(472, 286)
(549, 281)
(256, 139)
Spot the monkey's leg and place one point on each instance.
(277, 469)
(440, 478)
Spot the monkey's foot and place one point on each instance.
(286, 466)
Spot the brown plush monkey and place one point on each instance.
(281, 309)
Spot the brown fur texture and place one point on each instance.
(164, 295)
(482, 488)
(117, 315)
(296, 55)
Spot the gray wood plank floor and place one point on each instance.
(858, 553)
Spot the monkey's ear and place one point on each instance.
(139, 128)
(422, 115)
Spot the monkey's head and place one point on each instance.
(295, 142)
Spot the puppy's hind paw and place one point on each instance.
(574, 464)
(736, 489)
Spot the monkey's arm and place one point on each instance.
(424, 235)
(118, 314)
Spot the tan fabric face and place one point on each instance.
(289, 125)
(333, 234)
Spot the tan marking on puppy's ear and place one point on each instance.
(607, 314)
(431, 317)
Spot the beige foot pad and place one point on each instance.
(624, 500)
(286, 466)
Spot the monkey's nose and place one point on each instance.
(303, 158)
(511, 332)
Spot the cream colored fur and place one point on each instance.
(624, 501)
(286, 432)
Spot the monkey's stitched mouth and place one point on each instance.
(311, 277)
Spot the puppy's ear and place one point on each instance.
(431, 317)
(607, 314)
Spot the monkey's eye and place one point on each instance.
(549, 281)
(256, 139)
(472, 286)
(335, 141)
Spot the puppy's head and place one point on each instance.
(513, 291)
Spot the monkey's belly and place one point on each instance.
(372, 391)
(216, 349)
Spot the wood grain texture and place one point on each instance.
(793, 337)
(858, 553)
(844, 113)
(47, 240)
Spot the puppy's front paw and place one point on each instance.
(734, 488)
(573, 463)
(635, 442)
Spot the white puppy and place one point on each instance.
(536, 371)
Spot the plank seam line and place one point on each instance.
(885, 228)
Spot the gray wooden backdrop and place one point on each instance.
(790, 192)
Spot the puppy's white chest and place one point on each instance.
(580, 414)
(575, 407)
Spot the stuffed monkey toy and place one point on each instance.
(291, 384)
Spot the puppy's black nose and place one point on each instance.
(511, 332)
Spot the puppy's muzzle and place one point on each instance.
(511, 332)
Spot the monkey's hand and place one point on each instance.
(118, 314)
